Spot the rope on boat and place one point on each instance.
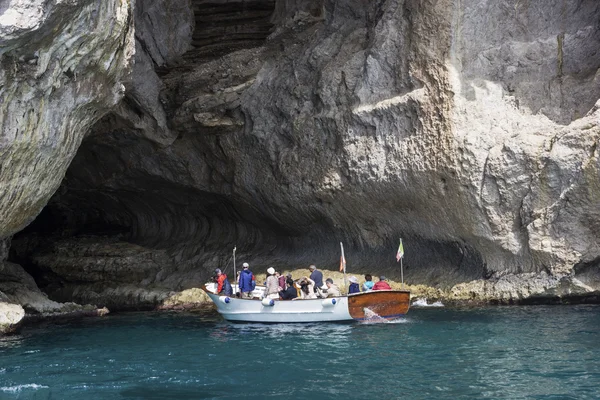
(227, 265)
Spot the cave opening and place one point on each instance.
(230, 136)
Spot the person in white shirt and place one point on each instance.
(307, 288)
(332, 289)
(272, 284)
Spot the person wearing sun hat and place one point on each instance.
(354, 288)
(272, 284)
(382, 284)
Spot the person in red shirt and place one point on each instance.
(382, 284)
(223, 285)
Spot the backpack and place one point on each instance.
(227, 289)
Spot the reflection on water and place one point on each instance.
(275, 331)
(291, 338)
(7, 342)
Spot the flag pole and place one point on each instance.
(234, 269)
(401, 268)
(343, 261)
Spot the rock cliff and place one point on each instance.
(62, 67)
(469, 129)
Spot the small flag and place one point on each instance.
(342, 259)
(400, 253)
(342, 263)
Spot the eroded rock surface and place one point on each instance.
(467, 128)
(11, 316)
(61, 68)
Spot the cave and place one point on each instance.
(283, 128)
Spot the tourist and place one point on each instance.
(382, 284)
(280, 280)
(237, 279)
(290, 292)
(223, 285)
(316, 276)
(307, 290)
(247, 282)
(353, 285)
(272, 284)
(332, 289)
(368, 285)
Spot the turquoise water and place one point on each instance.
(434, 353)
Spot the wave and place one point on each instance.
(402, 320)
(18, 388)
(372, 317)
(423, 303)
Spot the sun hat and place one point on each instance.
(382, 278)
(271, 271)
(353, 279)
(246, 265)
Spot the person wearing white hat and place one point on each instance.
(272, 284)
(354, 288)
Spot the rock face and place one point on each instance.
(61, 69)
(10, 317)
(62, 63)
(469, 129)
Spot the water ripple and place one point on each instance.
(434, 353)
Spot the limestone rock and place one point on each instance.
(186, 299)
(11, 316)
(62, 63)
(470, 129)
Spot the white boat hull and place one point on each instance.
(388, 305)
(312, 310)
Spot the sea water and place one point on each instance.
(542, 352)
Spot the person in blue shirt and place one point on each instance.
(368, 285)
(246, 282)
(316, 276)
(353, 285)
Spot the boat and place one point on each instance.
(386, 304)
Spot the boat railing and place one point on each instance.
(258, 292)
